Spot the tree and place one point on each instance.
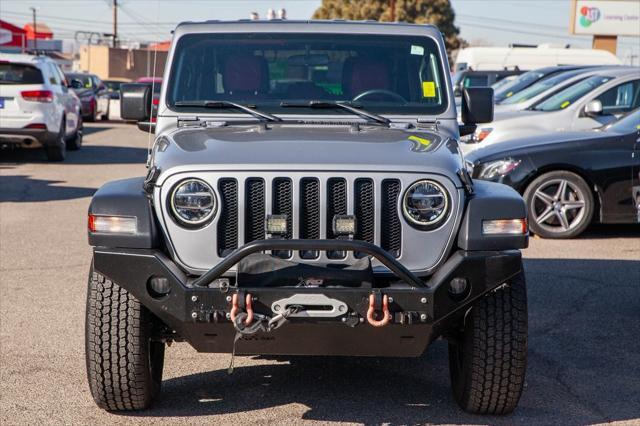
(436, 12)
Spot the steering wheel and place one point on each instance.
(387, 93)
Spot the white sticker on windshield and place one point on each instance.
(417, 50)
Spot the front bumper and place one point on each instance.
(197, 309)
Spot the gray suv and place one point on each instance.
(306, 195)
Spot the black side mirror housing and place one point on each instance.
(135, 101)
(477, 105)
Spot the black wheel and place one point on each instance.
(124, 366)
(75, 142)
(560, 205)
(487, 363)
(57, 151)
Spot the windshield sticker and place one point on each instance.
(509, 94)
(428, 89)
(417, 50)
(564, 104)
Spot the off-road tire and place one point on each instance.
(57, 151)
(487, 364)
(75, 142)
(124, 366)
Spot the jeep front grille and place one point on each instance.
(310, 205)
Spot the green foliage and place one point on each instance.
(436, 12)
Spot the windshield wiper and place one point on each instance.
(374, 118)
(228, 104)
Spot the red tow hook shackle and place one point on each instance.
(386, 315)
(235, 308)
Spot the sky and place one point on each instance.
(487, 22)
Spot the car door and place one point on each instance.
(102, 96)
(616, 101)
(71, 103)
(55, 85)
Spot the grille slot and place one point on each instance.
(364, 209)
(391, 231)
(255, 210)
(228, 224)
(336, 205)
(309, 213)
(283, 204)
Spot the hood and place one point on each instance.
(513, 146)
(306, 147)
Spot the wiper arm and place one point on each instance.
(340, 105)
(228, 104)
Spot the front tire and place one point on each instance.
(559, 205)
(124, 365)
(487, 364)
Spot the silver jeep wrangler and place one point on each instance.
(306, 195)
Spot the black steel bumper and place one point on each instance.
(421, 310)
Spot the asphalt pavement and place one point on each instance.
(584, 326)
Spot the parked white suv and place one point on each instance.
(37, 109)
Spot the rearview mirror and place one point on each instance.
(477, 105)
(135, 101)
(593, 108)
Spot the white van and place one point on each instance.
(528, 58)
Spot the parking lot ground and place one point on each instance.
(584, 311)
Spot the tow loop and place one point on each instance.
(386, 315)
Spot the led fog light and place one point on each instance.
(458, 286)
(112, 224)
(276, 224)
(158, 287)
(344, 225)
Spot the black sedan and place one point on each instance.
(570, 179)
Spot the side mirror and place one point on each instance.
(593, 108)
(76, 84)
(477, 105)
(135, 101)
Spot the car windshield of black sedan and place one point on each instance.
(384, 74)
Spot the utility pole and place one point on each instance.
(35, 29)
(115, 23)
(392, 6)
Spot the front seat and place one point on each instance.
(245, 76)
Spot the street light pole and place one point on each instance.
(35, 29)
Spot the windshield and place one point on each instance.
(539, 87)
(571, 94)
(629, 123)
(19, 74)
(384, 74)
(517, 84)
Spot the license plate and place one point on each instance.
(1, 103)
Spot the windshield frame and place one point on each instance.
(388, 109)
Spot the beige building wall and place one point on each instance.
(107, 62)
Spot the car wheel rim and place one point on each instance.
(558, 206)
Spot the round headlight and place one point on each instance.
(425, 204)
(193, 202)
